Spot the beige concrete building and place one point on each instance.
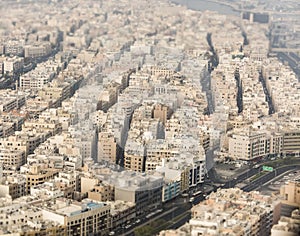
(10, 99)
(232, 212)
(13, 64)
(81, 218)
(87, 184)
(291, 192)
(38, 50)
(45, 125)
(276, 143)
(49, 229)
(145, 191)
(13, 186)
(55, 92)
(7, 129)
(160, 71)
(102, 192)
(35, 81)
(38, 174)
(205, 140)
(14, 142)
(162, 112)
(25, 219)
(12, 159)
(121, 212)
(107, 147)
(287, 226)
(108, 97)
(248, 146)
(156, 151)
(291, 141)
(68, 182)
(135, 160)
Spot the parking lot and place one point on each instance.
(230, 170)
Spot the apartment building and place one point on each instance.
(68, 182)
(35, 81)
(248, 146)
(121, 213)
(55, 92)
(42, 74)
(134, 161)
(14, 47)
(13, 186)
(37, 174)
(37, 50)
(108, 96)
(108, 149)
(157, 150)
(145, 191)
(187, 170)
(47, 125)
(232, 212)
(162, 112)
(291, 141)
(12, 159)
(16, 119)
(10, 100)
(134, 157)
(6, 129)
(291, 192)
(16, 143)
(25, 219)
(160, 71)
(80, 218)
(256, 141)
(102, 192)
(45, 189)
(287, 226)
(13, 65)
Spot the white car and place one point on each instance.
(138, 221)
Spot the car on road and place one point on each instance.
(137, 221)
(196, 193)
(127, 226)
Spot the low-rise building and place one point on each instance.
(102, 192)
(10, 100)
(232, 212)
(145, 191)
(287, 226)
(13, 186)
(12, 159)
(121, 213)
(80, 218)
(248, 146)
(291, 192)
(37, 50)
(37, 174)
(13, 65)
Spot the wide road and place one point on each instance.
(181, 208)
(269, 176)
